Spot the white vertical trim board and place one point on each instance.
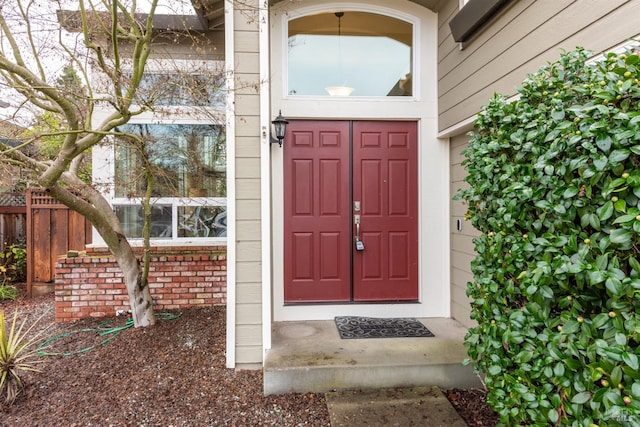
(229, 49)
(265, 176)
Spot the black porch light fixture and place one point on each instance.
(280, 126)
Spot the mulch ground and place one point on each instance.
(99, 372)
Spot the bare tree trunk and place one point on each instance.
(97, 210)
(140, 299)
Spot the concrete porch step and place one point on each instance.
(310, 356)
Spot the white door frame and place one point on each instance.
(433, 159)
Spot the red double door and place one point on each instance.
(350, 211)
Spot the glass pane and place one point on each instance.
(202, 221)
(132, 219)
(181, 89)
(350, 53)
(185, 160)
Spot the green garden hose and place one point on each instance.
(102, 330)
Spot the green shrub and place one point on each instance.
(13, 264)
(555, 193)
(8, 291)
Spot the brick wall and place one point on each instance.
(90, 284)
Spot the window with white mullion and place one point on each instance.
(189, 181)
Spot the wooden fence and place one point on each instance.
(52, 231)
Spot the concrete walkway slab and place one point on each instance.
(417, 406)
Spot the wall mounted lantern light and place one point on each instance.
(280, 126)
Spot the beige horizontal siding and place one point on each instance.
(445, 42)
(523, 37)
(248, 311)
(247, 168)
(212, 44)
(248, 84)
(246, 41)
(250, 251)
(248, 230)
(459, 301)
(249, 105)
(246, 353)
(250, 294)
(246, 62)
(248, 188)
(462, 250)
(248, 350)
(248, 210)
(249, 272)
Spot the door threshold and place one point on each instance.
(307, 303)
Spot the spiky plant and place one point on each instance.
(18, 354)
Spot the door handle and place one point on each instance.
(359, 244)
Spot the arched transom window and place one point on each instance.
(349, 53)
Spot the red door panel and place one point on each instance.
(317, 212)
(385, 181)
(328, 166)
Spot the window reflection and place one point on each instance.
(186, 160)
(188, 165)
(132, 219)
(370, 53)
(202, 221)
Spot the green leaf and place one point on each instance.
(597, 276)
(622, 219)
(621, 339)
(495, 369)
(600, 162)
(603, 142)
(616, 376)
(581, 398)
(614, 286)
(620, 235)
(546, 292)
(572, 364)
(618, 156)
(600, 320)
(599, 395)
(630, 359)
(635, 389)
(560, 209)
(557, 115)
(570, 192)
(605, 211)
(602, 261)
(632, 59)
(613, 397)
(570, 327)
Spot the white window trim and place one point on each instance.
(104, 171)
(175, 202)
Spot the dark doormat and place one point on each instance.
(373, 327)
